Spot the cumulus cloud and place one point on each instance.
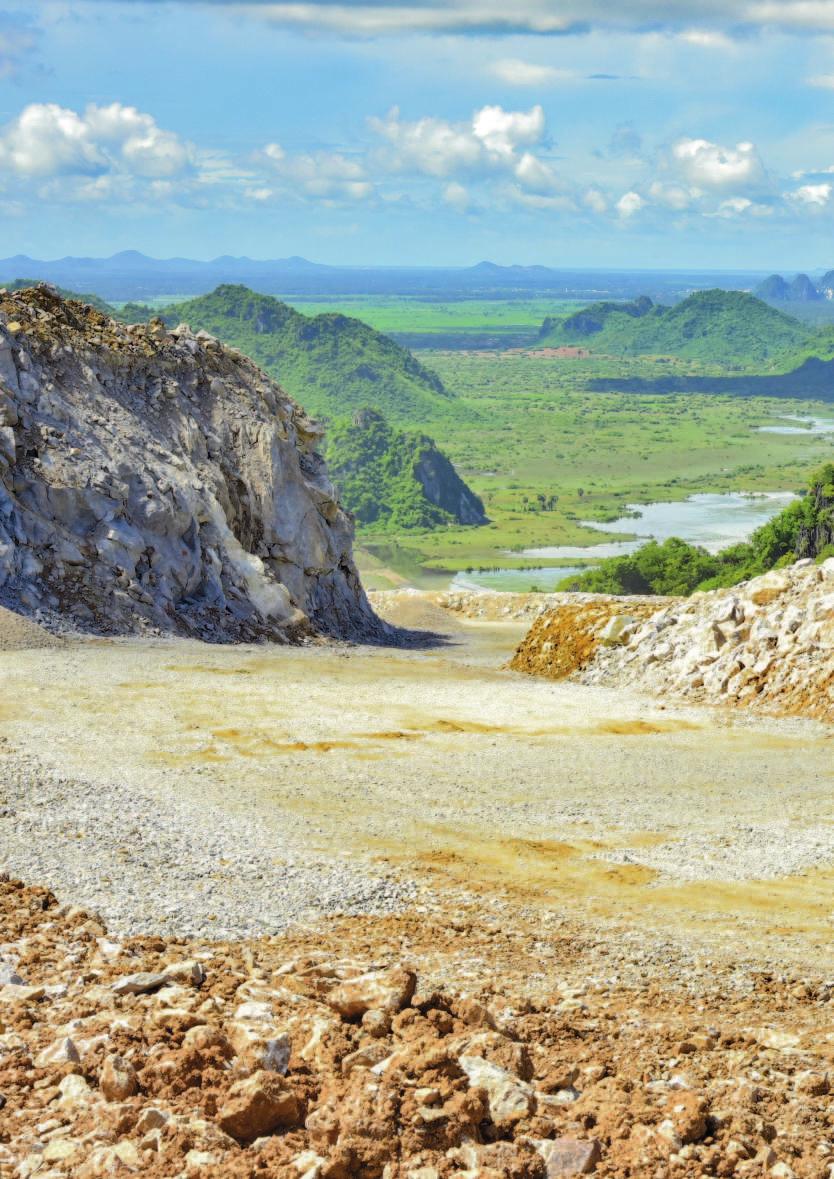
(672, 196)
(327, 176)
(812, 194)
(709, 165)
(629, 204)
(435, 147)
(822, 81)
(48, 140)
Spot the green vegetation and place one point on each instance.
(804, 529)
(726, 327)
(330, 363)
(548, 443)
(396, 479)
(19, 284)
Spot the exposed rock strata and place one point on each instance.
(158, 480)
(767, 643)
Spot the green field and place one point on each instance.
(439, 317)
(529, 428)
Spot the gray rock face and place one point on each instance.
(154, 480)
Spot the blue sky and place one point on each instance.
(670, 133)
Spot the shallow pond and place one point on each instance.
(807, 425)
(520, 581)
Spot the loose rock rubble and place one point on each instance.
(155, 480)
(767, 643)
(285, 1057)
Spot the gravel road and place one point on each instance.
(198, 790)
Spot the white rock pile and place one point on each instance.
(767, 642)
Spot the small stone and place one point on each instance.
(60, 1051)
(118, 1079)
(142, 983)
(568, 1156)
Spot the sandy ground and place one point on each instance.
(693, 827)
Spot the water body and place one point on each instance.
(809, 425)
(714, 521)
(519, 581)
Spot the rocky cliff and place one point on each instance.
(157, 480)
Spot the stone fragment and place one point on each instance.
(118, 1079)
(509, 1098)
(379, 990)
(258, 1105)
(142, 983)
(60, 1051)
(568, 1156)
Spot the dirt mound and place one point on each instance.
(22, 634)
(325, 1055)
(565, 640)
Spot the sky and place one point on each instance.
(576, 133)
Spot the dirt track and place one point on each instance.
(699, 829)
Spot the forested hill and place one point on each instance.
(394, 478)
(331, 364)
(720, 327)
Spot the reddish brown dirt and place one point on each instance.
(687, 1076)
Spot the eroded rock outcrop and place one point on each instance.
(157, 480)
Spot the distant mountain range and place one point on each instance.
(801, 289)
(132, 275)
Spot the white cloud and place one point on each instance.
(673, 196)
(629, 204)
(812, 194)
(457, 197)
(823, 81)
(709, 165)
(436, 147)
(705, 38)
(595, 200)
(48, 140)
(535, 176)
(542, 17)
(320, 175)
(516, 72)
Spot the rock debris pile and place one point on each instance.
(164, 1059)
(768, 643)
(155, 480)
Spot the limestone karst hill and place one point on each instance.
(157, 480)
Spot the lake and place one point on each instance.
(712, 520)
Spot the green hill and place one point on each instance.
(20, 284)
(331, 364)
(717, 327)
(393, 478)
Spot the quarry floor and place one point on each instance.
(183, 788)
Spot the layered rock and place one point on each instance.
(767, 643)
(157, 480)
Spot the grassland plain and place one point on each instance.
(532, 430)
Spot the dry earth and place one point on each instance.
(637, 893)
